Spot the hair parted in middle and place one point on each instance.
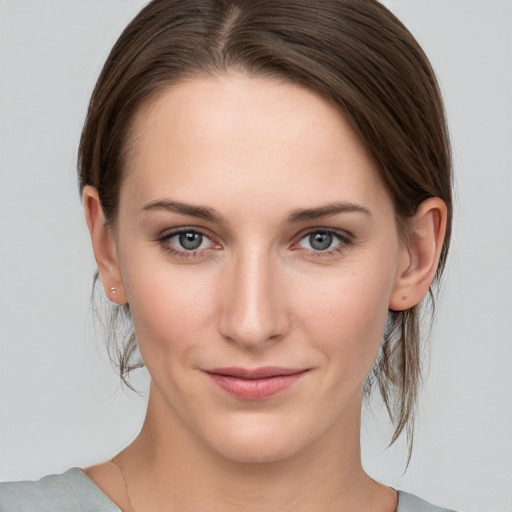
(355, 54)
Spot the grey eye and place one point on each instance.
(320, 241)
(190, 240)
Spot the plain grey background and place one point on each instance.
(61, 404)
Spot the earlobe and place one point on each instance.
(104, 246)
(421, 255)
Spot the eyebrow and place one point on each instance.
(298, 215)
(201, 212)
(326, 211)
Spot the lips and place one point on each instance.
(257, 383)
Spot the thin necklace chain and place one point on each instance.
(114, 461)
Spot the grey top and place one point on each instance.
(73, 491)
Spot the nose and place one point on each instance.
(254, 310)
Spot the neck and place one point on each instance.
(168, 464)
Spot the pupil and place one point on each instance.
(190, 241)
(320, 241)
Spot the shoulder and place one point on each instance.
(410, 503)
(71, 491)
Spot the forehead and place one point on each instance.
(230, 135)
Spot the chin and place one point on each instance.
(256, 451)
(256, 442)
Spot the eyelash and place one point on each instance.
(345, 241)
(184, 254)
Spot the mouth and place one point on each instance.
(257, 383)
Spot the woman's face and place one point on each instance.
(259, 252)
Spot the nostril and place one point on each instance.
(252, 338)
(254, 330)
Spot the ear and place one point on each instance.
(104, 247)
(421, 252)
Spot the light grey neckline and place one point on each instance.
(85, 488)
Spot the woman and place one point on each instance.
(268, 191)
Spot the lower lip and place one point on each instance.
(255, 389)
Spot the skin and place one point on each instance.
(256, 293)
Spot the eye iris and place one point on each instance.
(320, 241)
(190, 240)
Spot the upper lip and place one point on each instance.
(255, 373)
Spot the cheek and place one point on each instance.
(169, 306)
(345, 316)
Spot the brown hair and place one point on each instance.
(354, 53)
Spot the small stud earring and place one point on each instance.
(113, 290)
